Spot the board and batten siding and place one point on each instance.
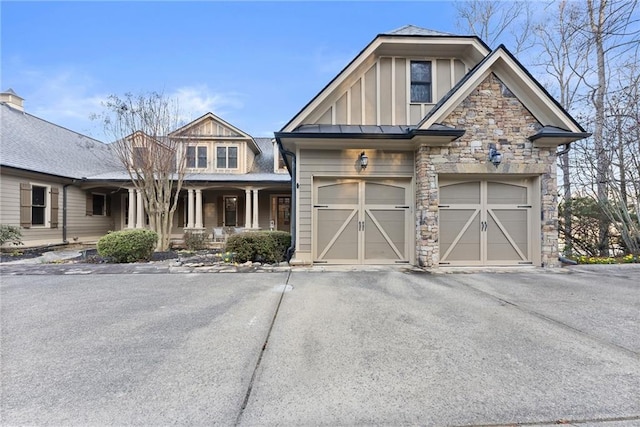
(341, 164)
(381, 94)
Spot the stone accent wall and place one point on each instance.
(490, 114)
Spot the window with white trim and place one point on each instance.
(421, 81)
(196, 157)
(38, 205)
(278, 161)
(226, 157)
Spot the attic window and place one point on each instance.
(421, 81)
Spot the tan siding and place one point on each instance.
(415, 114)
(386, 102)
(459, 70)
(443, 74)
(370, 96)
(341, 110)
(79, 224)
(342, 163)
(356, 103)
(401, 92)
(10, 212)
(325, 119)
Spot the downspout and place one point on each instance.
(565, 150)
(291, 166)
(64, 212)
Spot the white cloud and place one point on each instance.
(194, 101)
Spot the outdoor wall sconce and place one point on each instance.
(364, 161)
(495, 156)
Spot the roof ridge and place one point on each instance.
(414, 30)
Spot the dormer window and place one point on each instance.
(196, 157)
(227, 157)
(421, 81)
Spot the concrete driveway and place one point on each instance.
(330, 348)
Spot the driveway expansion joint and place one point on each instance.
(285, 288)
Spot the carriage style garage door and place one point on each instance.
(485, 222)
(362, 221)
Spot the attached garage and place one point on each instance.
(488, 221)
(362, 221)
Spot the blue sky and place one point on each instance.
(255, 64)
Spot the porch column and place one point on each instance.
(139, 210)
(198, 208)
(131, 218)
(190, 212)
(247, 208)
(255, 209)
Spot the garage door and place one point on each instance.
(361, 221)
(485, 222)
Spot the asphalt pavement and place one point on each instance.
(383, 347)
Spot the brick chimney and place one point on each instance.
(12, 99)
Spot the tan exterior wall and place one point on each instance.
(488, 116)
(85, 228)
(380, 94)
(340, 163)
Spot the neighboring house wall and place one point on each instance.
(381, 93)
(488, 114)
(82, 224)
(85, 228)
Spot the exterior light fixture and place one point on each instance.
(364, 160)
(495, 156)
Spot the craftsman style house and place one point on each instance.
(427, 149)
(63, 187)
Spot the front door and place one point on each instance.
(485, 222)
(230, 211)
(362, 221)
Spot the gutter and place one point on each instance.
(291, 167)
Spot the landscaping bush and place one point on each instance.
(259, 246)
(195, 240)
(128, 245)
(10, 234)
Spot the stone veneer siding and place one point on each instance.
(490, 114)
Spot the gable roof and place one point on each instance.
(239, 134)
(33, 144)
(385, 44)
(520, 82)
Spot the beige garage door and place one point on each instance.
(485, 222)
(361, 221)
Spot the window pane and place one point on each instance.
(233, 158)
(420, 93)
(98, 204)
(221, 157)
(191, 157)
(202, 157)
(37, 215)
(38, 196)
(421, 72)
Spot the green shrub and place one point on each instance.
(282, 240)
(259, 246)
(10, 234)
(195, 240)
(128, 245)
